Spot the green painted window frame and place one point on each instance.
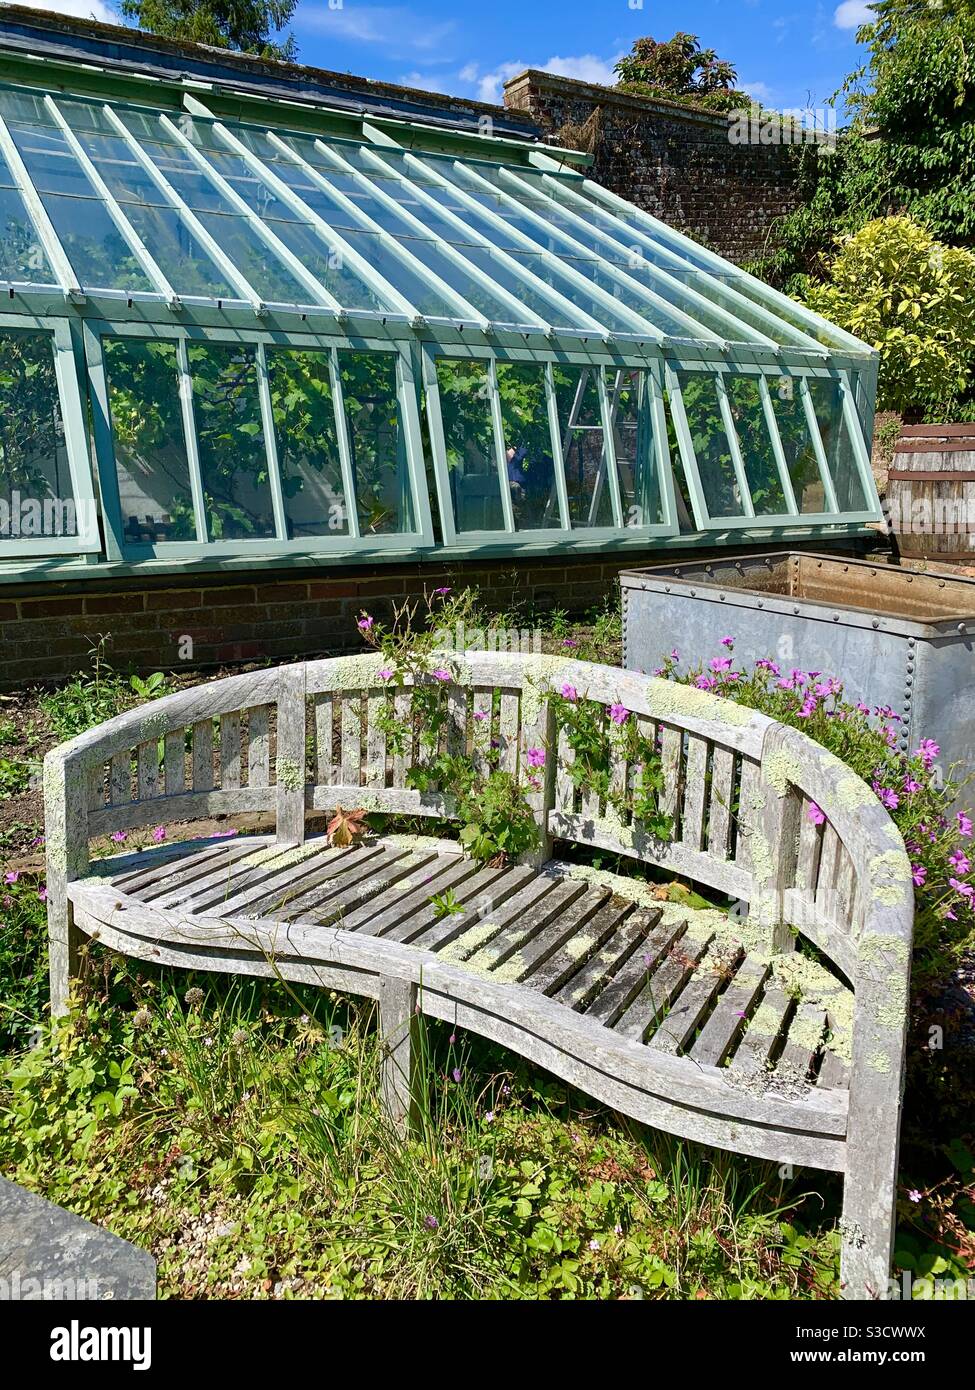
(749, 520)
(352, 542)
(565, 531)
(67, 354)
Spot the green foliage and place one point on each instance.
(909, 149)
(236, 1129)
(446, 904)
(680, 69)
(249, 26)
(23, 957)
(496, 821)
(911, 297)
(602, 740)
(89, 700)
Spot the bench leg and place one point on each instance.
(867, 1232)
(399, 1029)
(64, 948)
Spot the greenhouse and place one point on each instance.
(261, 328)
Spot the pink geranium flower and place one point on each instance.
(721, 663)
(619, 713)
(927, 751)
(815, 814)
(440, 674)
(365, 623)
(964, 825)
(569, 692)
(960, 861)
(727, 641)
(919, 873)
(386, 674)
(159, 834)
(535, 757)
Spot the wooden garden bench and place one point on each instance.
(711, 1027)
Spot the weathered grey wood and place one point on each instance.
(719, 1035)
(667, 978)
(573, 918)
(482, 719)
(486, 896)
(695, 793)
(120, 778)
(290, 761)
(318, 879)
(398, 921)
(687, 1008)
(96, 786)
(399, 1040)
(565, 790)
(148, 770)
(233, 892)
(403, 757)
(747, 814)
(572, 973)
(230, 764)
(671, 742)
(613, 997)
(805, 1037)
(258, 747)
(508, 731)
(375, 741)
(722, 791)
(144, 869)
(521, 917)
(807, 859)
(203, 755)
(174, 763)
(762, 1033)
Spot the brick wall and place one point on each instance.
(47, 629)
(675, 162)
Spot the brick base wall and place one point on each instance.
(48, 629)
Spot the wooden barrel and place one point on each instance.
(931, 492)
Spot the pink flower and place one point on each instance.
(721, 663)
(42, 894)
(12, 877)
(675, 655)
(911, 785)
(960, 861)
(862, 708)
(365, 623)
(535, 757)
(119, 837)
(964, 825)
(224, 834)
(480, 714)
(619, 713)
(765, 664)
(569, 642)
(914, 1195)
(927, 750)
(919, 873)
(809, 707)
(569, 692)
(159, 834)
(440, 674)
(386, 674)
(727, 641)
(964, 889)
(443, 591)
(706, 682)
(815, 814)
(886, 796)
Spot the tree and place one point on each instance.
(897, 288)
(909, 148)
(680, 69)
(247, 26)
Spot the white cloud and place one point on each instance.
(852, 13)
(390, 26)
(585, 68)
(77, 9)
(759, 91)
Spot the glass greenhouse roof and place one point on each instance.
(222, 338)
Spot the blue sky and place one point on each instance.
(789, 53)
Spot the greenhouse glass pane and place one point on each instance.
(631, 408)
(92, 242)
(468, 432)
(528, 445)
(583, 446)
(36, 492)
(459, 280)
(230, 438)
(712, 450)
(827, 396)
(377, 438)
(308, 450)
(178, 253)
(253, 258)
(755, 442)
(537, 303)
(149, 444)
(682, 495)
(800, 456)
(22, 257)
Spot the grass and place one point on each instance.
(233, 1127)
